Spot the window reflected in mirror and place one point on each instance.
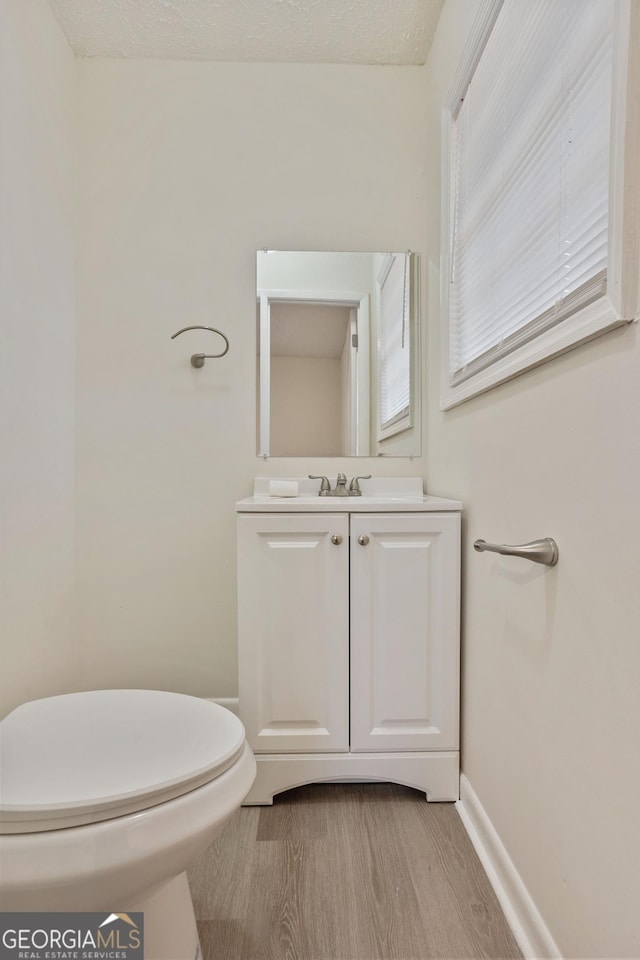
(337, 354)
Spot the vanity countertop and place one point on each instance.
(383, 495)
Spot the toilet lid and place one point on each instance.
(85, 757)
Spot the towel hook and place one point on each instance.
(198, 359)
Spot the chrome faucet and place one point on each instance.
(340, 489)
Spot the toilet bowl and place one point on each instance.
(107, 796)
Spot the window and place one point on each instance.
(394, 352)
(539, 139)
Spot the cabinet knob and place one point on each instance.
(363, 540)
(336, 539)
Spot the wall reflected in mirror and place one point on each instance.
(338, 354)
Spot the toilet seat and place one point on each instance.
(85, 757)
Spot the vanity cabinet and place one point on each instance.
(348, 630)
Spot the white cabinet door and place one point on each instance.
(293, 623)
(405, 584)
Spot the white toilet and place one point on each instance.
(107, 796)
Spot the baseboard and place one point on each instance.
(522, 915)
(231, 703)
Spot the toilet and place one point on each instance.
(105, 799)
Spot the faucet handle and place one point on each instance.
(354, 486)
(325, 486)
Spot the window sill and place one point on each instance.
(593, 321)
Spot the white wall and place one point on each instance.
(551, 658)
(37, 355)
(186, 170)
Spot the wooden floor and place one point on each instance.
(347, 872)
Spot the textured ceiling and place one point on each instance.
(303, 31)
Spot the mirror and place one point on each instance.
(338, 354)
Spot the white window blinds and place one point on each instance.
(530, 178)
(394, 349)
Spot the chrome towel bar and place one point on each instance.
(540, 551)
